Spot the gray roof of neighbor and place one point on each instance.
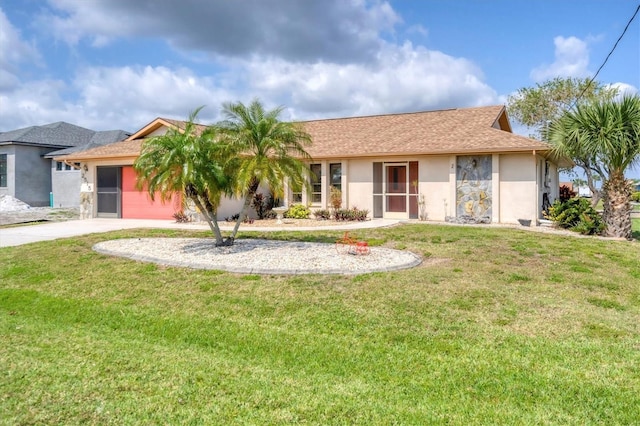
(61, 135)
(100, 138)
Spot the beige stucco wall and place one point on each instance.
(435, 185)
(158, 132)
(515, 191)
(518, 190)
(361, 185)
(514, 196)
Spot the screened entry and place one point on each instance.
(109, 190)
(395, 190)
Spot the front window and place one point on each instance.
(59, 165)
(316, 184)
(3, 170)
(335, 173)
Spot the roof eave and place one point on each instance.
(70, 157)
(151, 127)
(513, 150)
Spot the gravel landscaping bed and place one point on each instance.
(256, 256)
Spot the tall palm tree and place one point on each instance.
(262, 150)
(608, 132)
(185, 161)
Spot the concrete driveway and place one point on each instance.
(18, 235)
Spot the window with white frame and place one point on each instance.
(335, 175)
(316, 183)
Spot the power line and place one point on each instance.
(591, 80)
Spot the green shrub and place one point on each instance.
(297, 211)
(578, 215)
(323, 214)
(353, 214)
(635, 197)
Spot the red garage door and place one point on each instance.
(138, 205)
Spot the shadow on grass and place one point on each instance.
(293, 236)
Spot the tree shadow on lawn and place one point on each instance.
(303, 236)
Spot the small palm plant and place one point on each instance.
(261, 150)
(186, 160)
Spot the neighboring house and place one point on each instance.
(584, 191)
(456, 165)
(27, 171)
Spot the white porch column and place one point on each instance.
(345, 183)
(324, 188)
(453, 196)
(495, 188)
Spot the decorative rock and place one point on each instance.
(468, 220)
(250, 256)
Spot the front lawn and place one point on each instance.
(499, 326)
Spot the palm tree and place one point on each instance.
(262, 150)
(607, 132)
(185, 161)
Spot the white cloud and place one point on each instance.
(319, 60)
(35, 102)
(113, 98)
(14, 51)
(331, 30)
(404, 78)
(624, 89)
(571, 60)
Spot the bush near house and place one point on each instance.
(353, 214)
(566, 193)
(577, 215)
(335, 198)
(322, 214)
(297, 211)
(635, 197)
(264, 204)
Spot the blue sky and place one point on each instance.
(107, 64)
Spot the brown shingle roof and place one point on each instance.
(453, 131)
(122, 149)
(468, 130)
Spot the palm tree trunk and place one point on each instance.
(617, 207)
(211, 221)
(253, 188)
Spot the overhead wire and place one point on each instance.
(592, 79)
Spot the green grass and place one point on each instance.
(600, 206)
(498, 326)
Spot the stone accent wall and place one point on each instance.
(86, 205)
(473, 188)
(86, 197)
